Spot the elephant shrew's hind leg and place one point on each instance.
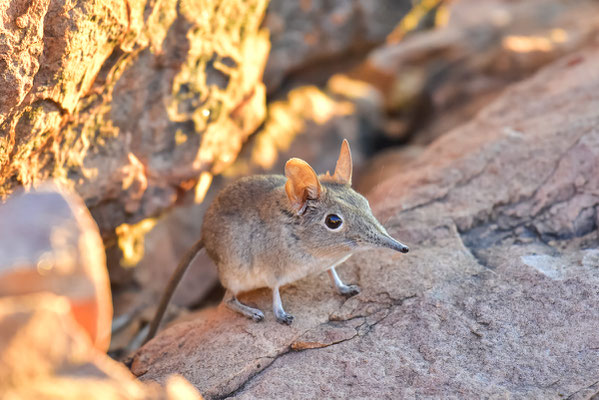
(232, 303)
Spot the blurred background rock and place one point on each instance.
(49, 243)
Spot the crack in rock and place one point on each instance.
(326, 335)
(593, 387)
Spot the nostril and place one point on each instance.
(405, 249)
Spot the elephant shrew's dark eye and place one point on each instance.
(333, 221)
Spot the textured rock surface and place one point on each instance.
(49, 243)
(127, 102)
(44, 354)
(497, 298)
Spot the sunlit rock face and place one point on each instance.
(50, 243)
(127, 102)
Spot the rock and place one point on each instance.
(496, 298)
(50, 243)
(19, 52)
(436, 80)
(127, 102)
(44, 353)
(304, 33)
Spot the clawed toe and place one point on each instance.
(350, 290)
(257, 316)
(285, 318)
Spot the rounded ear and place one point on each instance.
(302, 184)
(344, 167)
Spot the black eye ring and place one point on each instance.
(333, 221)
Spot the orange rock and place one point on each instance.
(44, 353)
(50, 243)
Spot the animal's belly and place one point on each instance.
(244, 280)
(303, 270)
(258, 276)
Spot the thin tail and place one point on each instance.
(171, 286)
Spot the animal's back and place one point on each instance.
(238, 228)
(242, 198)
